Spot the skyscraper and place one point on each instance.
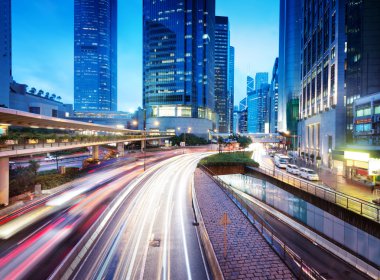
(273, 100)
(231, 85)
(322, 124)
(250, 85)
(222, 61)
(363, 59)
(95, 55)
(5, 51)
(258, 109)
(289, 66)
(178, 64)
(261, 79)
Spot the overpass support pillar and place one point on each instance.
(4, 181)
(120, 149)
(143, 144)
(95, 152)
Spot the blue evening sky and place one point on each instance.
(43, 44)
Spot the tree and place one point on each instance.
(53, 96)
(33, 90)
(244, 141)
(40, 92)
(59, 98)
(34, 166)
(47, 94)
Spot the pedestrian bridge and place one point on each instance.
(256, 137)
(73, 134)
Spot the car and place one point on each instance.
(281, 161)
(293, 169)
(271, 153)
(309, 174)
(52, 157)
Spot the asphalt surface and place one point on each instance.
(38, 246)
(151, 235)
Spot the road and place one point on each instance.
(151, 234)
(38, 236)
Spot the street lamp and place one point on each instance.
(144, 137)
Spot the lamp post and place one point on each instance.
(144, 137)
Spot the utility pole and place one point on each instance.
(144, 137)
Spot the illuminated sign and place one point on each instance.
(363, 121)
(374, 167)
(356, 156)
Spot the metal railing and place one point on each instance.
(353, 204)
(295, 263)
(30, 143)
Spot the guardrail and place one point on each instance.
(295, 263)
(23, 144)
(356, 205)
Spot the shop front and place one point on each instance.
(360, 167)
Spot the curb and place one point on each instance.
(205, 239)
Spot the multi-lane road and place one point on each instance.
(148, 232)
(151, 234)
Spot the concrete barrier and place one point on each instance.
(206, 242)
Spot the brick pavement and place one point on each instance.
(248, 255)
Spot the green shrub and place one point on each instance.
(229, 159)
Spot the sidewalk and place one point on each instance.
(346, 186)
(248, 254)
(338, 182)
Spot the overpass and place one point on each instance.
(79, 134)
(256, 137)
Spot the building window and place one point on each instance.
(377, 109)
(54, 113)
(333, 27)
(363, 112)
(35, 110)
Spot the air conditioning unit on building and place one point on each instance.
(372, 131)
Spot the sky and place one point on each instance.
(43, 45)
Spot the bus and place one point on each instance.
(281, 160)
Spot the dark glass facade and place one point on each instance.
(289, 67)
(273, 99)
(95, 55)
(5, 52)
(178, 58)
(231, 85)
(363, 55)
(261, 79)
(222, 48)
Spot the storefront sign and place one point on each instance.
(374, 167)
(356, 156)
(368, 120)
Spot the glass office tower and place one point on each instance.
(5, 52)
(363, 60)
(95, 55)
(231, 85)
(178, 64)
(222, 47)
(289, 67)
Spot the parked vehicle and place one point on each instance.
(281, 161)
(309, 174)
(293, 154)
(271, 153)
(293, 169)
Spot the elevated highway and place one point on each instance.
(79, 134)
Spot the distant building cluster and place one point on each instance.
(323, 92)
(328, 82)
